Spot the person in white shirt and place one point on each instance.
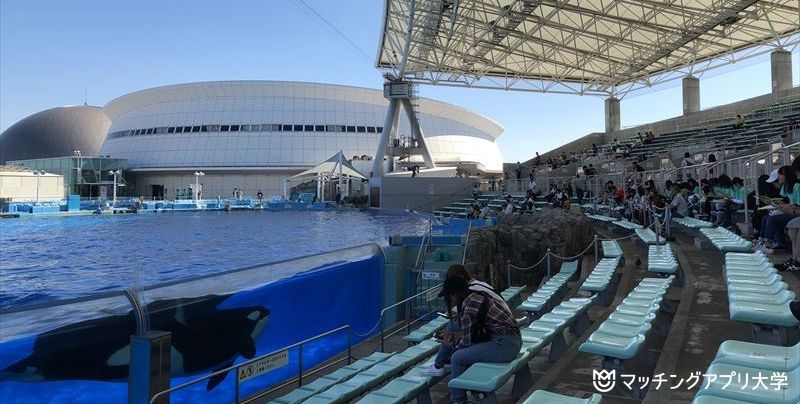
(678, 205)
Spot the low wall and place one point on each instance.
(423, 193)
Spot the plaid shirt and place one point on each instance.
(498, 319)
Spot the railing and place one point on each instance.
(423, 245)
(299, 378)
(408, 313)
(466, 243)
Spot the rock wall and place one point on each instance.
(523, 239)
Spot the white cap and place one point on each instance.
(773, 176)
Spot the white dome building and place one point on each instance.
(252, 135)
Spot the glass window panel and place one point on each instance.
(255, 128)
(287, 128)
(319, 128)
(187, 129)
(298, 128)
(204, 128)
(370, 129)
(171, 129)
(351, 128)
(234, 128)
(361, 129)
(245, 128)
(195, 129)
(308, 128)
(179, 129)
(225, 128)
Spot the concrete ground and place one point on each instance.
(697, 314)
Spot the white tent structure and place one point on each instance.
(335, 168)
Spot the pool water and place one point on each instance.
(43, 259)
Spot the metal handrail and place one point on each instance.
(466, 243)
(423, 246)
(395, 305)
(245, 363)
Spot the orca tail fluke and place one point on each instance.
(215, 380)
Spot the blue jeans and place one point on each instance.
(443, 357)
(501, 348)
(772, 227)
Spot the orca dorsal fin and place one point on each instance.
(215, 380)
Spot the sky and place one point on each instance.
(55, 53)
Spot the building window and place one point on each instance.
(213, 128)
(361, 129)
(298, 128)
(179, 129)
(308, 128)
(234, 128)
(351, 129)
(245, 128)
(187, 129)
(370, 129)
(287, 128)
(379, 129)
(204, 128)
(319, 128)
(162, 129)
(224, 128)
(195, 129)
(136, 132)
(255, 128)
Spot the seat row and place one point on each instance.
(649, 237)
(758, 295)
(692, 223)
(348, 382)
(601, 218)
(627, 225)
(549, 293)
(623, 334)
(611, 249)
(751, 371)
(487, 378)
(661, 260)
(602, 280)
(726, 240)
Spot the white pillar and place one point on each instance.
(612, 114)
(388, 125)
(691, 94)
(781, 67)
(416, 132)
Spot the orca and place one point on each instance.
(204, 338)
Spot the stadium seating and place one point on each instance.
(546, 397)
(661, 260)
(623, 334)
(758, 295)
(602, 280)
(750, 362)
(611, 249)
(648, 237)
(550, 293)
(726, 240)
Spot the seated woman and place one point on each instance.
(453, 331)
(489, 331)
(733, 203)
(772, 225)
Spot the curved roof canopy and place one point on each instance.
(577, 46)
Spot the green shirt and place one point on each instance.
(739, 195)
(794, 197)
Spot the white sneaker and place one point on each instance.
(433, 371)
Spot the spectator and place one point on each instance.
(678, 205)
(739, 122)
(772, 225)
(493, 337)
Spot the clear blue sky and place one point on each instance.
(51, 51)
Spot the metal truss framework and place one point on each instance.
(599, 47)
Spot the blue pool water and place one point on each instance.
(56, 258)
